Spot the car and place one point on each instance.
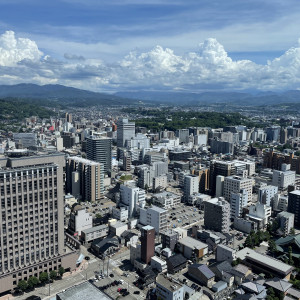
(136, 292)
(33, 297)
(87, 258)
(111, 275)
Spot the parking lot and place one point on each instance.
(185, 216)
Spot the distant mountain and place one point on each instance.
(60, 94)
(238, 98)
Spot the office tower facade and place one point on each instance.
(100, 150)
(84, 178)
(32, 218)
(147, 243)
(294, 206)
(234, 184)
(217, 214)
(273, 133)
(125, 131)
(191, 186)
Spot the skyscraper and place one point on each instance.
(99, 150)
(125, 131)
(147, 243)
(32, 218)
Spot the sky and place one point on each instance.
(161, 45)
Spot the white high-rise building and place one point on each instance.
(155, 217)
(282, 179)
(266, 194)
(191, 185)
(238, 202)
(234, 184)
(132, 197)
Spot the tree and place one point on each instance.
(272, 246)
(32, 281)
(292, 231)
(291, 261)
(53, 275)
(22, 285)
(98, 216)
(61, 271)
(43, 277)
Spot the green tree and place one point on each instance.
(53, 275)
(291, 261)
(98, 216)
(292, 231)
(272, 246)
(43, 277)
(22, 285)
(61, 271)
(32, 281)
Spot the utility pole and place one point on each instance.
(107, 266)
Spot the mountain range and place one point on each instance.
(64, 95)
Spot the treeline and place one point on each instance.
(16, 109)
(170, 120)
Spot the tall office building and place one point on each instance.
(32, 218)
(126, 131)
(100, 150)
(84, 178)
(147, 243)
(294, 206)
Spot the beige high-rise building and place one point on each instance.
(32, 218)
(234, 184)
(85, 177)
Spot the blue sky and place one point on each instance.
(84, 34)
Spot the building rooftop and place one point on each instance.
(190, 242)
(81, 291)
(168, 283)
(268, 261)
(89, 230)
(148, 227)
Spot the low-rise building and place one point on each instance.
(225, 253)
(120, 213)
(158, 264)
(176, 263)
(202, 274)
(190, 248)
(166, 200)
(168, 290)
(91, 234)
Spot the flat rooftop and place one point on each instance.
(81, 291)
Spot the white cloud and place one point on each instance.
(208, 67)
(14, 50)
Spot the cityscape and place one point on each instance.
(159, 174)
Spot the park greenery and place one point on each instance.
(44, 277)
(173, 120)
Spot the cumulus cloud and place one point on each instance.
(14, 50)
(208, 67)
